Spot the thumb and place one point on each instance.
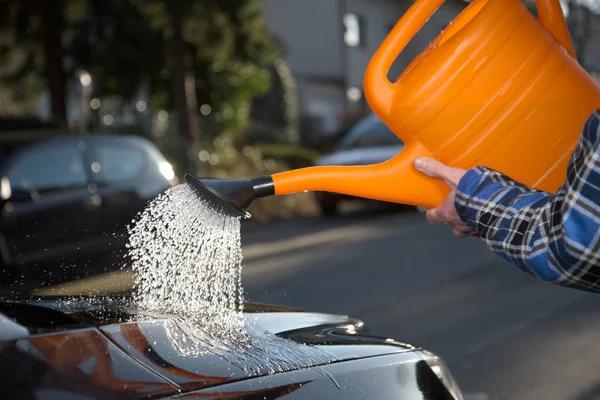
(435, 169)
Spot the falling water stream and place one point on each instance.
(187, 259)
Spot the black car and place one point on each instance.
(66, 199)
(78, 348)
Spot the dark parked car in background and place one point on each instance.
(68, 198)
(369, 141)
(82, 349)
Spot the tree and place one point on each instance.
(275, 114)
(32, 43)
(219, 51)
(117, 46)
(204, 59)
(114, 42)
(183, 77)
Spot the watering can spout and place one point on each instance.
(232, 196)
(395, 180)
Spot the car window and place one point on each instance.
(113, 163)
(7, 150)
(4, 156)
(370, 132)
(48, 168)
(378, 134)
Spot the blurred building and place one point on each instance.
(328, 44)
(584, 26)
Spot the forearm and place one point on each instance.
(555, 237)
(541, 233)
(508, 218)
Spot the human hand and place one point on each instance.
(446, 211)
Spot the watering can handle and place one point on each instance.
(552, 18)
(379, 91)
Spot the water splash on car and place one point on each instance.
(187, 259)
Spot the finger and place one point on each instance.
(438, 216)
(459, 234)
(469, 232)
(435, 169)
(430, 167)
(462, 228)
(433, 216)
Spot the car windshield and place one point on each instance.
(5, 152)
(370, 131)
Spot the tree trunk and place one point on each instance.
(184, 89)
(53, 24)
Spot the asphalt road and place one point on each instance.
(502, 333)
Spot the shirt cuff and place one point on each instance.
(467, 187)
(481, 188)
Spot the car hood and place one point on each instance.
(362, 156)
(102, 349)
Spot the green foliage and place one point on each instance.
(23, 33)
(227, 89)
(117, 45)
(275, 114)
(232, 49)
(124, 43)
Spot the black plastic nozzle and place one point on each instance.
(232, 196)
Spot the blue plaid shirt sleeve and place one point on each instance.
(553, 236)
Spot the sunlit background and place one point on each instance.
(104, 104)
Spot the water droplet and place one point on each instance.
(187, 260)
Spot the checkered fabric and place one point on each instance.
(553, 236)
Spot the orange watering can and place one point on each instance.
(496, 88)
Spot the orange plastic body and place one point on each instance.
(496, 88)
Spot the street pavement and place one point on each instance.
(503, 334)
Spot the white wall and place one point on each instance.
(379, 16)
(311, 30)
